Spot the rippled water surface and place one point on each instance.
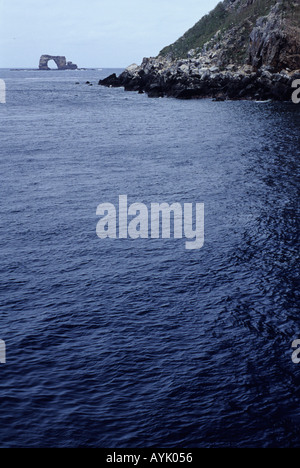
(141, 343)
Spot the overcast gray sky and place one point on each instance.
(93, 33)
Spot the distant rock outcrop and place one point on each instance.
(60, 61)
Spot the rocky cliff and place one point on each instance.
(244, 49)
(256, 32)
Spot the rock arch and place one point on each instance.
(60, 61)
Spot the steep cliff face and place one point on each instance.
(244, 49)
(275, 39)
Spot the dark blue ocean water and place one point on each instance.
(141, 343)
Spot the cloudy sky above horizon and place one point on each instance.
(93, 33)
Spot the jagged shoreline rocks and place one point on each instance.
(189, 79)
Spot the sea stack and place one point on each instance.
(60, 61)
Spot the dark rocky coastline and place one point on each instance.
(251, 52)
(187, 79)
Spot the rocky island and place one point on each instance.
(60, 61)
(243, 49)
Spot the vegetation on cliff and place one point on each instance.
(226, 30)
